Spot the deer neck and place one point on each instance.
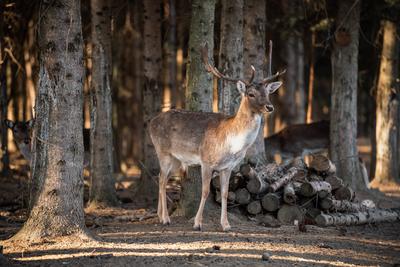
(25, 150)
(245, 115)
(244, 126)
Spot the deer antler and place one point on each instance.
(271, 77)
(212, 69)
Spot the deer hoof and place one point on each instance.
(197, 227)
(226, 228)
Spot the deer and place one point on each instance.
(22, 132)
(215, 141)
(298, 140)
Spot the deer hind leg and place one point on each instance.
(206, 174)
(224, 181)
(168, 164)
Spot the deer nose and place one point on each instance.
(26, 141)
(269, 108)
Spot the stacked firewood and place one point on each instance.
(297, 192)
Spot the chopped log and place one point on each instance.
(357, 218)
(298, 162)
(288, 214)
(368, 203)
(285, 179)
(254, 207)
(321, 188)
(341, 205)
(247, 171)
(268, 220)
(289, 194)
(215, 182)
(257, 186)
(231, 197)
(301, 175)
(312, 213)
(270, 172)
(242, 196)
(313, 177)
(321, 164)
(271, 202)
(334, 181)
(344, 193)
(236, 181)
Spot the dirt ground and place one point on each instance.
(132, 236)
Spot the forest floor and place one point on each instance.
(131, 236)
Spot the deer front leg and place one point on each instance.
(162, 211)
(224, 180)
(206, 173)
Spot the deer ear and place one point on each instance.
(272, 87)
(241, 87)
(30, 123)
(9, 124)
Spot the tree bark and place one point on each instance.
(199, 91)
(169, 60)
(5, 160)
(102, 187)
(254, 54)
(152, 93)
(57, 163)
(387, 108)
(231, 53)
(343, 127)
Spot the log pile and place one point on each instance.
(297, 193)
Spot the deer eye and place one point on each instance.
(251, 95)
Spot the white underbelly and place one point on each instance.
(188, 159)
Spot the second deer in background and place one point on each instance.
(22, 134)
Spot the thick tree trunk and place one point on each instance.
(254, 54)
(57, 163)
(231, 53)
(102, 187)
(152, 93)
(199, 92)
(343, 128)
(387, 108)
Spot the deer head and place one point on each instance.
(21, 130)
(257, 93)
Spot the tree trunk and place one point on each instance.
(310, 97)
(387, 108)
(152, 93)
(254, 54)
(169, 59)
(3, 99)
(102, 187)
(231, 53)
(5, 159)
(343, 128)
(57, 163)
(199, 92)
